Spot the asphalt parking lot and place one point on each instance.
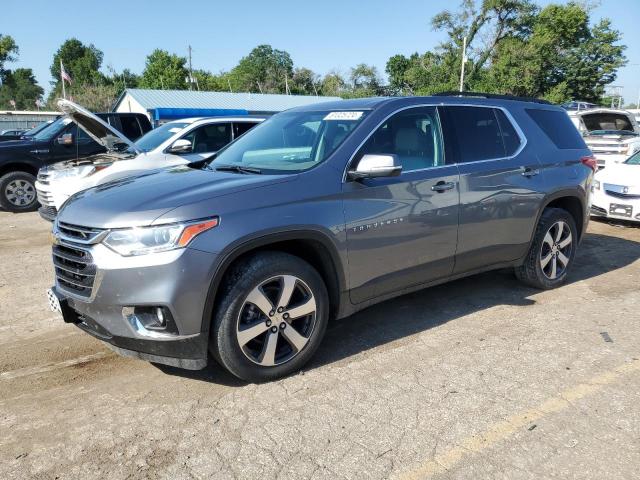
(480, 378)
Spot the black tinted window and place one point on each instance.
(130, 127)
(209, 138)
(241, 127)
(413, 135)
(510, 137)
(476, 134)
(558, 127)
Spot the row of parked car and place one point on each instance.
(238, 239)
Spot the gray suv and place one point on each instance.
(315, 214)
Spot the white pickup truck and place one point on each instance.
(612, 135)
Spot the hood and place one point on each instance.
(140, 200)
(620, 174)
(96, 128)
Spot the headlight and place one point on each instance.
(143, 240)
(596, 184)
(79, 172)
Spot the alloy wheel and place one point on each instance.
(276, 320)
(20, 193)
(556, 250)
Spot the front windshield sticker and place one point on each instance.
(344, 116)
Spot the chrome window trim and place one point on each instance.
(514, 124)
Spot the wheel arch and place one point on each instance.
(312, 246)
(572, 201)
(26, 167)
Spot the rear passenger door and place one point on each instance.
(239, 128)
(500, 185)
(402, 231)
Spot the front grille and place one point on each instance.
(76, 232)
(598, 211)
(626, 196)
(45, 198)
(74, 269)
(48, 213)
(43, 177)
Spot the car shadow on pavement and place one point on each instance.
(419, 311)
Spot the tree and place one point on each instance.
(8, 50)
(333, 85)
(164, 70)
(20, 86)
(365, 81)
(207, 81)
(82, 62)
(265, 70)
(304, 82)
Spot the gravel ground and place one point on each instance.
(480, 378)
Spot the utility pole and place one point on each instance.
(286, 84)
(190, 71)
(464, 61)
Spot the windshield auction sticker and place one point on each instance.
(344, 116)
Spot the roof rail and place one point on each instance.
(491, 95)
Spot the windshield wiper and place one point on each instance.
(237, 168)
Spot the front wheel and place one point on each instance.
(552, 251)
(18, 192)
(271, 318)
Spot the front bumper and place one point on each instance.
(615, 207)
(177, 281)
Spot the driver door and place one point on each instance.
(206, 140)
(402, 231)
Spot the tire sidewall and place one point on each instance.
(547, 221)
(4, 201)
(224, 344)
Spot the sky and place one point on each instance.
(331, 35)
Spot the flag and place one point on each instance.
(13, 103)
(64, 75)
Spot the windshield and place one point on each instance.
(37, 129)
(157, 136)
(49, 132)
(607, 121)
(633, 159)
(290, 141)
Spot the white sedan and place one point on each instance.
(616, 191)
(174, 143)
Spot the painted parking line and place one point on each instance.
(500, 431)
(23, 372)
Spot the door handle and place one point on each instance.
(443, 186)
(530, 172)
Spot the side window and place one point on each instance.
(475, 133)
(241, 127)
(209, 138)
(510, 137)
(558, 128)
(130, 127)
(413, 135)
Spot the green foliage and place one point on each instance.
(333, 85)
(515, 48)
(8, 50)
(164, 70)
(19, 85)
(265, 70)
(82, 62)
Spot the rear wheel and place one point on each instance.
(272, 317)
(18, 192)
(552, 251)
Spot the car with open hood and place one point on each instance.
(58, 141)
(616, 191)
(174, 143)
(612, 135)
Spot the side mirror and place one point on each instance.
(66, 139)
(374, 166)
(180, 146)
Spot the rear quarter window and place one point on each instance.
(558, 128)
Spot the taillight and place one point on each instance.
(590, 162)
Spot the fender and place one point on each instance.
(261, 239)
(575, 192)
(23, 163)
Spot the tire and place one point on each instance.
(259, 342)
(18, 192)
(550, 250)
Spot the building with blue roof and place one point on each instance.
(165, 105)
